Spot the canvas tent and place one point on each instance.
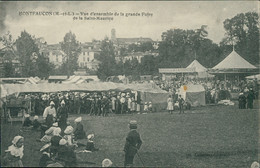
(80, 79)
(195, 94)
(200, 69)
(234, 66)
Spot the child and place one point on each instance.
(27, 122)
(145, 107)
(150, 107)
(68, 135)
(107, 163)
(90, 143)
(15, 153)
(36, 124)
(49, 133)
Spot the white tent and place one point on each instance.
(254, 77)
(234, 61)
(73, 79)
(195, 94)
(200, 69)
(197, 66)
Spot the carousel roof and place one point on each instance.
(234, 61)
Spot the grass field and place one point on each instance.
(204, 137)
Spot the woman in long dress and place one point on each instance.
(170, 104)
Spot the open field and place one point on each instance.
(211, 136)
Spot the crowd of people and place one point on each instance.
(60, 145)
(92, 103)
(215, 90)
(60, 139)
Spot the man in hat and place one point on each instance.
(181, 103)
(250, 98)
(77, 105)
(241, 101)
(49, 114)
(132, 144)
(118, 105)
(105, 106)
(62, 115)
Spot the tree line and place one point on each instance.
(177, 49)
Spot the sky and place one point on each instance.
(165, 15)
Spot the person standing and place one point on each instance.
(113, 102)
(49, 114)
(138, 101)
(250, 99)
(181, 102)
(62, 116)
(105, 106)
(170, 104)
(123, 103)
(241, 101)
(132, 144)
(77, 104)
(129, 103)
(118, 105)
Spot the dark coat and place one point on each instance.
(44, 160)
(27, 122)
(36, 124)
(67, 155)
(62, 115)
(91, 147)
(62, 112)
(79, 132)
(133, 143)
(55, 140)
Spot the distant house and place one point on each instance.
(53, 53)
(87, 58)
(56, 57)
(135, 55)
(133, 40)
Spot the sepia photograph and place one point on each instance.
(129, 84)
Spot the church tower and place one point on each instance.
(113, 35)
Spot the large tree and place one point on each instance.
(242, 31)
(71, 47)
(179, 48)
(8, 54)
(33, 63)
(107, 66)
